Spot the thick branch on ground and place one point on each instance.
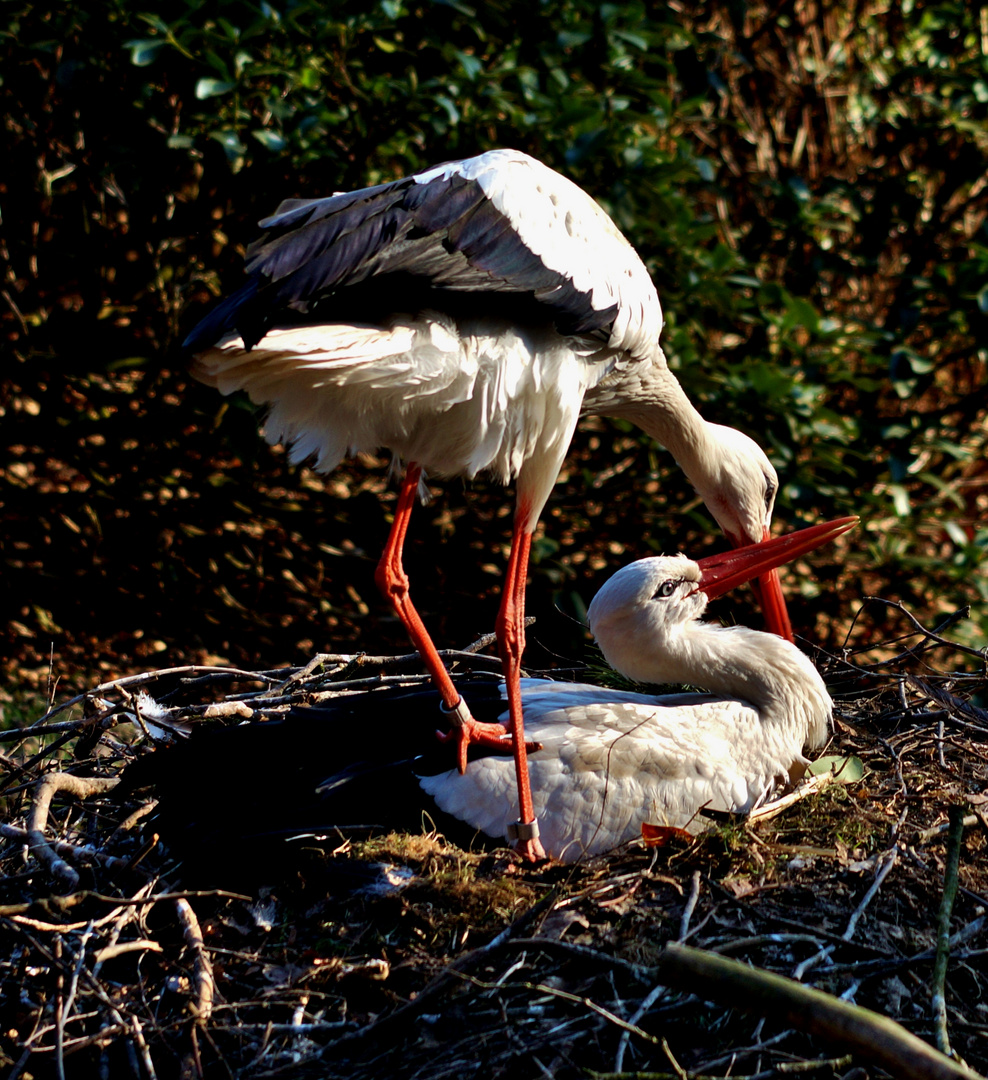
(871, 1036)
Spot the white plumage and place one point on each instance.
(507, 397)
(611, 760)
(464, 318)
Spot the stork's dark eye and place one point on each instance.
(667, 588)
(770, 493)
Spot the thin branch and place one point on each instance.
(205, 982)
(684, 922)
(931, 635)
(955, 838)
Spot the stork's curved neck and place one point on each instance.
(727, 469)
(652, 640)
(658, 405)
(762, 669)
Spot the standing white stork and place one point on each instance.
(607, 761)
(463, 318)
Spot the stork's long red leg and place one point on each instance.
(393, 582)
(510, 628)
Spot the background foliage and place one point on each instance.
(806, 182)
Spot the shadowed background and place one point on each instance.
(804, 181)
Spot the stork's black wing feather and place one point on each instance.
(229, 797)
(445, 233)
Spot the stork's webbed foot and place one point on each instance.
(469, 732)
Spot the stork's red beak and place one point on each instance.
(720, 573)
(768, 592)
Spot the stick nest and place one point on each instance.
(447, 962)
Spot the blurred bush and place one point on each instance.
(805, 181)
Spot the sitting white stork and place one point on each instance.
(464, 318)
(608, 762)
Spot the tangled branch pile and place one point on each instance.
(404, 955)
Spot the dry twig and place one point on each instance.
(82, 788)
(204, 981)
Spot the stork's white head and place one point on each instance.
(646, 617)
(638, 616)
(738, 483)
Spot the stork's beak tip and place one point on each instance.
(722, 572)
